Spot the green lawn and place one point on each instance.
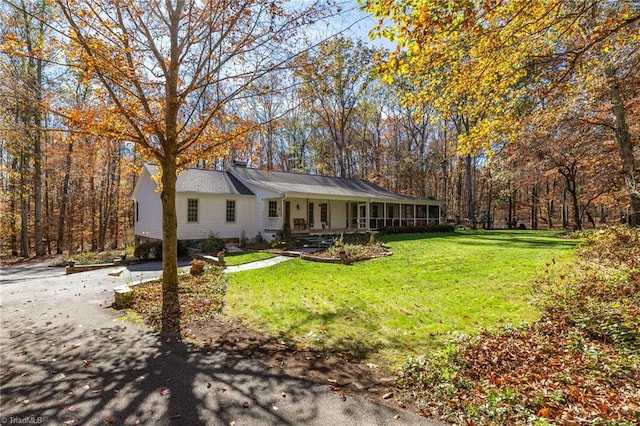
(433, 287)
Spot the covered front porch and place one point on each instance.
(316, 215)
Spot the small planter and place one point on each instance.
(123, 257)
(343, 255)
(197, 267)
(71, 263)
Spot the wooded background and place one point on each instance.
(333, 110)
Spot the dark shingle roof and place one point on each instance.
(283, 182)
(206, 181)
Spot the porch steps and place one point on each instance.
(313, 241)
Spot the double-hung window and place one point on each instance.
(273, 209)
(192, 210)
(231, 211)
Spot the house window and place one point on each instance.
(323, 213)
(192, 210)
(273, 209)
(137, 211)
(231, 211)
(310, 215)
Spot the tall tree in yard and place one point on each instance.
(503, 62)
(172, 68)
(335, 82)
(25, 43)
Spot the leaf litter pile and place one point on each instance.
(200, 296)
(579, 364)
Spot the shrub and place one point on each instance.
(601, 294)
(152, 250)
(213, 244)
(616, 246)
(149, 250)
(417, 229)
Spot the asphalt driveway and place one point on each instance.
(68, 358)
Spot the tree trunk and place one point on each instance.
(37, 160)
(534, 207)
(171, 315)
(170, 299)
(24, 208)
(573, 192)
(625, 145)
(64, 201)
(469, 181)
(94, 212)
(12, 208)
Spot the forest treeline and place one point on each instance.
(67, 173)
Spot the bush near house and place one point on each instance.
(416, 229)
(213, 244)
(152, 250)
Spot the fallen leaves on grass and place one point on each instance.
(546, 371)
(200, 297)
(579, 364)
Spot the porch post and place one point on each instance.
(384, 214)
(282, 215)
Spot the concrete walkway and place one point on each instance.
(67, 358)
(258, 264)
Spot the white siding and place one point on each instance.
(148, 214)
(338, 214)
(212, 216)
(260, 208)
(298, 210)
(336, 211)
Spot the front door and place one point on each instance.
(362, 215)
(287, 214)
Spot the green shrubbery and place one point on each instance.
(211, 245)
(152, 250)
(149, 250)
(417, 229)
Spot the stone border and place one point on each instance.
(93, 266)
(346, 261)
(122, 293)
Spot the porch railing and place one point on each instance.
(377, 223)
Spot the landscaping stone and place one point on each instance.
(123, 297)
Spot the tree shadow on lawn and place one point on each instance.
(317, 355)
(510, 239)
(505, 238)
(68, 374)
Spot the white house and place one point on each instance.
(240, 199)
